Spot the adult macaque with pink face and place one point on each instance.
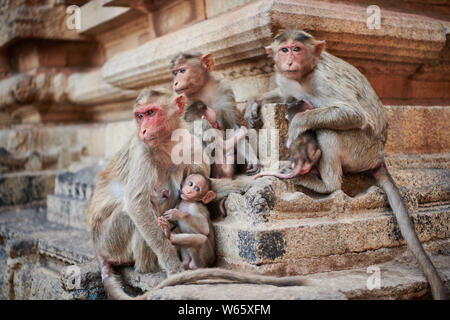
(296, 54)
(196, 237)
(139, 184)
(193, 76)
(350, 124)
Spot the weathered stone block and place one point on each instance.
(26, 187)
(67, 211)
(299, 246)
(215, 8)
(414, 129)
(73, 192)
(22, 20)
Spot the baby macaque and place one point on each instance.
(304, 152)
(196, 237)
(198, 111)
(304, 156)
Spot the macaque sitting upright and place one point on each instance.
(198, 111)
(196, 237)
(194, 77)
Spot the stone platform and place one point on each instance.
(271, 229)
(44, 260)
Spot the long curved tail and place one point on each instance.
(385, 181)
(114, 289)
(223, 274)
(113, 285)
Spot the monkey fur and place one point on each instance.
(140, 183)
(350, 123)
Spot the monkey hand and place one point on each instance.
(165, 225)
(174, 214)
(252, 114)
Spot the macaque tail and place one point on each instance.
(114, 289)
(294, 173)
(113, 284)
(223, 187)
(385, 181)
(223, 274)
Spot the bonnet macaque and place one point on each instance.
(196, 237)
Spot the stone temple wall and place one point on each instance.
(66, 92)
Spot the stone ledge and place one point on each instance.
(67, 211)
(61, 87)
(311, 265)
(52, 240)
(20, 21)
(291, 239)
(344, 27)
(96, 18)
(239, 35)
(399, 280)
(25, 187)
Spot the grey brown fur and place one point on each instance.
(128, 198)
(350, 122)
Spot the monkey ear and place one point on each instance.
(180, 102)
(208, 197)
(319, 46)
(208, 62)
(269, 50)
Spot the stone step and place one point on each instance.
(69, 245)
(67, 211)
(242, 34)
(418, 186)
(309, 245)
(34, 252)
(79, 184)
(73, 190)
(397, 280)
(44, 260)
(26, 187)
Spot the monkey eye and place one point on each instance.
(285, 50)
(190, 184)
(140, 115)
(197, 189)
(182, 70)
(150, 112)
(297, 49)
(174, 73)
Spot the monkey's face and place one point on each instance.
(157, 119)
(188, 77)
(194, 188)
(292, 59)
